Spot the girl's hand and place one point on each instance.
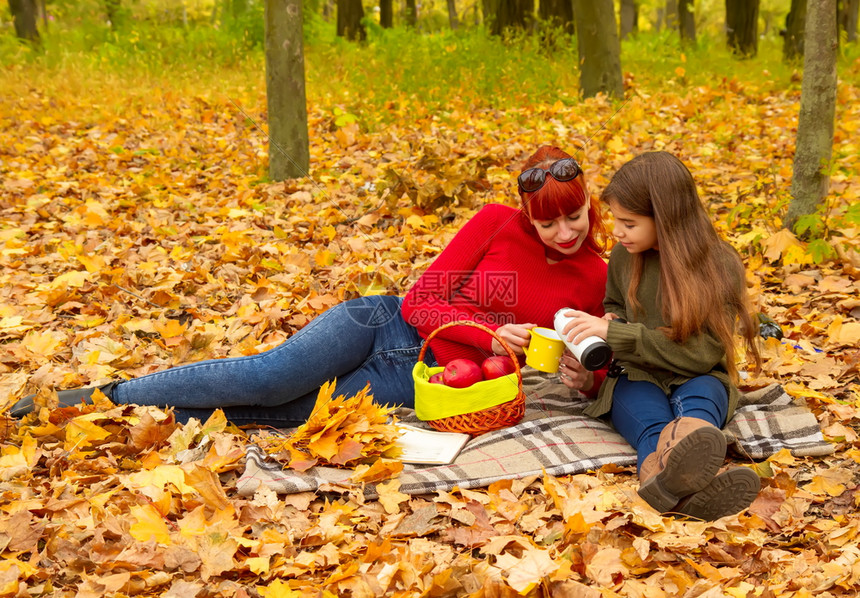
(516, 335)
(584, 325)
(573, 374)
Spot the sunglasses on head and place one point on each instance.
(562, 170)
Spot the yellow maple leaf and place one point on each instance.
(380, 469)
(783, 457)
(839, 333)
(208, 486)
(160, 477)
(830, 483)
(778, 243)
(169, 328)
(149, 525)
(81, 433)
(526, 572)
(74, 279)
(46, 343)
(278, 589)
(390, 496)
(93, 263)
(616, 145)
(258, 564)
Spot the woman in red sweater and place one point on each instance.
(509, 269)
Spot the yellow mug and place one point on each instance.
(544, 350)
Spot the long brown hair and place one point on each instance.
(702, 278)
(557, 198)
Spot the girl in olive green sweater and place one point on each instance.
(674, 296)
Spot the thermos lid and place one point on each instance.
(596, 356)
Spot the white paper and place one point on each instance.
(429, 446)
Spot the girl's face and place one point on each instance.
(565, 234)
(636, 232)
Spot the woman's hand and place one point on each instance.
(516, 335)
(573, 374)
(583, 325)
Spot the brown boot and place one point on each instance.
(732, 491)
(689, 454)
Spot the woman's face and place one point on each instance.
(565, 234)
(636, 232)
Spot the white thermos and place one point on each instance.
(592, 352)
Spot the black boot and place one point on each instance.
(66, 398)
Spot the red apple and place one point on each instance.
(460, 373)
(497, 366)
(436, 378)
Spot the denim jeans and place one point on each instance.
(640, 410)
(358, 341)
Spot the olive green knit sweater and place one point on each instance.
(644, 352)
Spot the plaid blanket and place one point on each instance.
(557, 438)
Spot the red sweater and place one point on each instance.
(495, 271)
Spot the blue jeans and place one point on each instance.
(640, 410)
(358, 341)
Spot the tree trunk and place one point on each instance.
(24, 17)
(742, 27)
(411, 13)
(815, 123)
(489, 8)
(512, 14)
(687, 21)
(557, 14)
(289, 154)
(452, 15)
(599, 48)
(792, 45)
(629, 18)
(671, 14)
(848, 12)
(386, 14)
(349, 16)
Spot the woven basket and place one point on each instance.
(492, 418)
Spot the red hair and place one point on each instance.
(557, 198)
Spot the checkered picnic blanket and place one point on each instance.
(557, 438)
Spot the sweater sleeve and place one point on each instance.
(615, 299)
(430, 302)
(647, 349)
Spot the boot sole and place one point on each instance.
(729, 493)
(691, 466)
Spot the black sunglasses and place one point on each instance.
(562, 170)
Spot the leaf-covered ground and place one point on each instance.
(138, 232)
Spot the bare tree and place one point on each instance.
(411, 13)
(24, 13)
(386, 13)
(557, 13)
(452, 15)
(687, 21)
(349, 16)
(671, 14)
(629, 17)
(848, 13)
(792, 45)
(599, 48)
(512, 14)
(289, 154)
(815, 124)
(742, 26)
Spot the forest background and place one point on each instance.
(140, 230)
